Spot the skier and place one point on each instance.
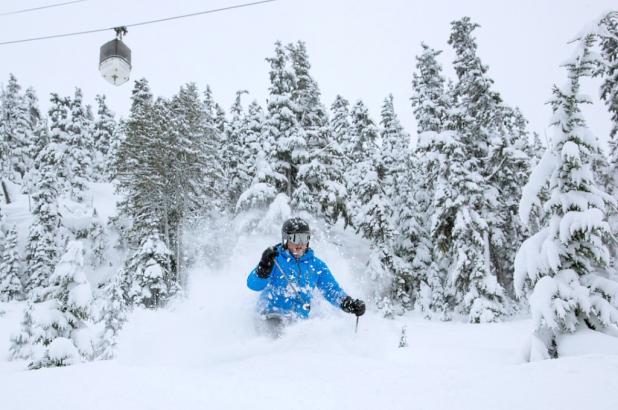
(287, 274)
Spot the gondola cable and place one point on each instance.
(49, 6)
(143, 23)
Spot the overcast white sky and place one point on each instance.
(358, 48)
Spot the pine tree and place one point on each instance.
(140, 184)
(319, 187)
(214, 124)
(396, 150)
(508, 164)
(477, 291)
(361, 152)
(373, 216)
(97, 245)
(149, 274)
(68, 304)
(608, 38)
(252, 138)
(190, 168)
(341, 147)
(281, 122)
(42, 247)
(168, 168)
(16, 131)
(564, 263)
(10, 270)
(398, 189)
(340, 122)
(58, 141)
(102, 137)
(430, 103)
(111, 160)
(537, 217)
(258, 147)
(609, 88)
(365, 133)
(79, 149)
(114, 317)
(40, 138)
(235, 149)
(220, 121)
(21, 342)
(432, 222)
(311, 120)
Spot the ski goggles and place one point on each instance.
(297, 238)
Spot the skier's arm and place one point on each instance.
(258, 278)
(328, 285)
(254, 282)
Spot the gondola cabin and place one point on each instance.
(115, 59)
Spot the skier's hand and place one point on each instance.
(355, 306)
(265, 267)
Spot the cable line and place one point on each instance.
(143, 23)
(49, 6)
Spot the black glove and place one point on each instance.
(265, 267)
(355, 306)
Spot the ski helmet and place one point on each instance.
(295, 230)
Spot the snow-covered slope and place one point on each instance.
(204, 352)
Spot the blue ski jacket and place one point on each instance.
(289, 288)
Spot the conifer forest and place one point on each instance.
(474, 219)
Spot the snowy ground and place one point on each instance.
(205, 353)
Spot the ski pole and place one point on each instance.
(356, 328)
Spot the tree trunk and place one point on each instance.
(7, 198)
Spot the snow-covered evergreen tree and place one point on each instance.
(477, 292)
(319, 187)
(40, 136)
(258, 146)
(342, 145)
(149, 275)
(16, 131)
(508, 164)
(364, 135)
(141, 186)
(63, 313)
(340, 122)
(114, 317)
(396, 160)
(10, 269)
(564, 263)
(430, 103)
(21, 342)
(98, 244)
(395, 151)
(111, 161)
(238, 172)
(608, 35)
(42, 245)
(281, 123)
(102, 137)
(373, 216)
(253, 140)
(429, 256)
(609, 88)
(192, 168)
(79, 150)
(58, 141)
(214, 124)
